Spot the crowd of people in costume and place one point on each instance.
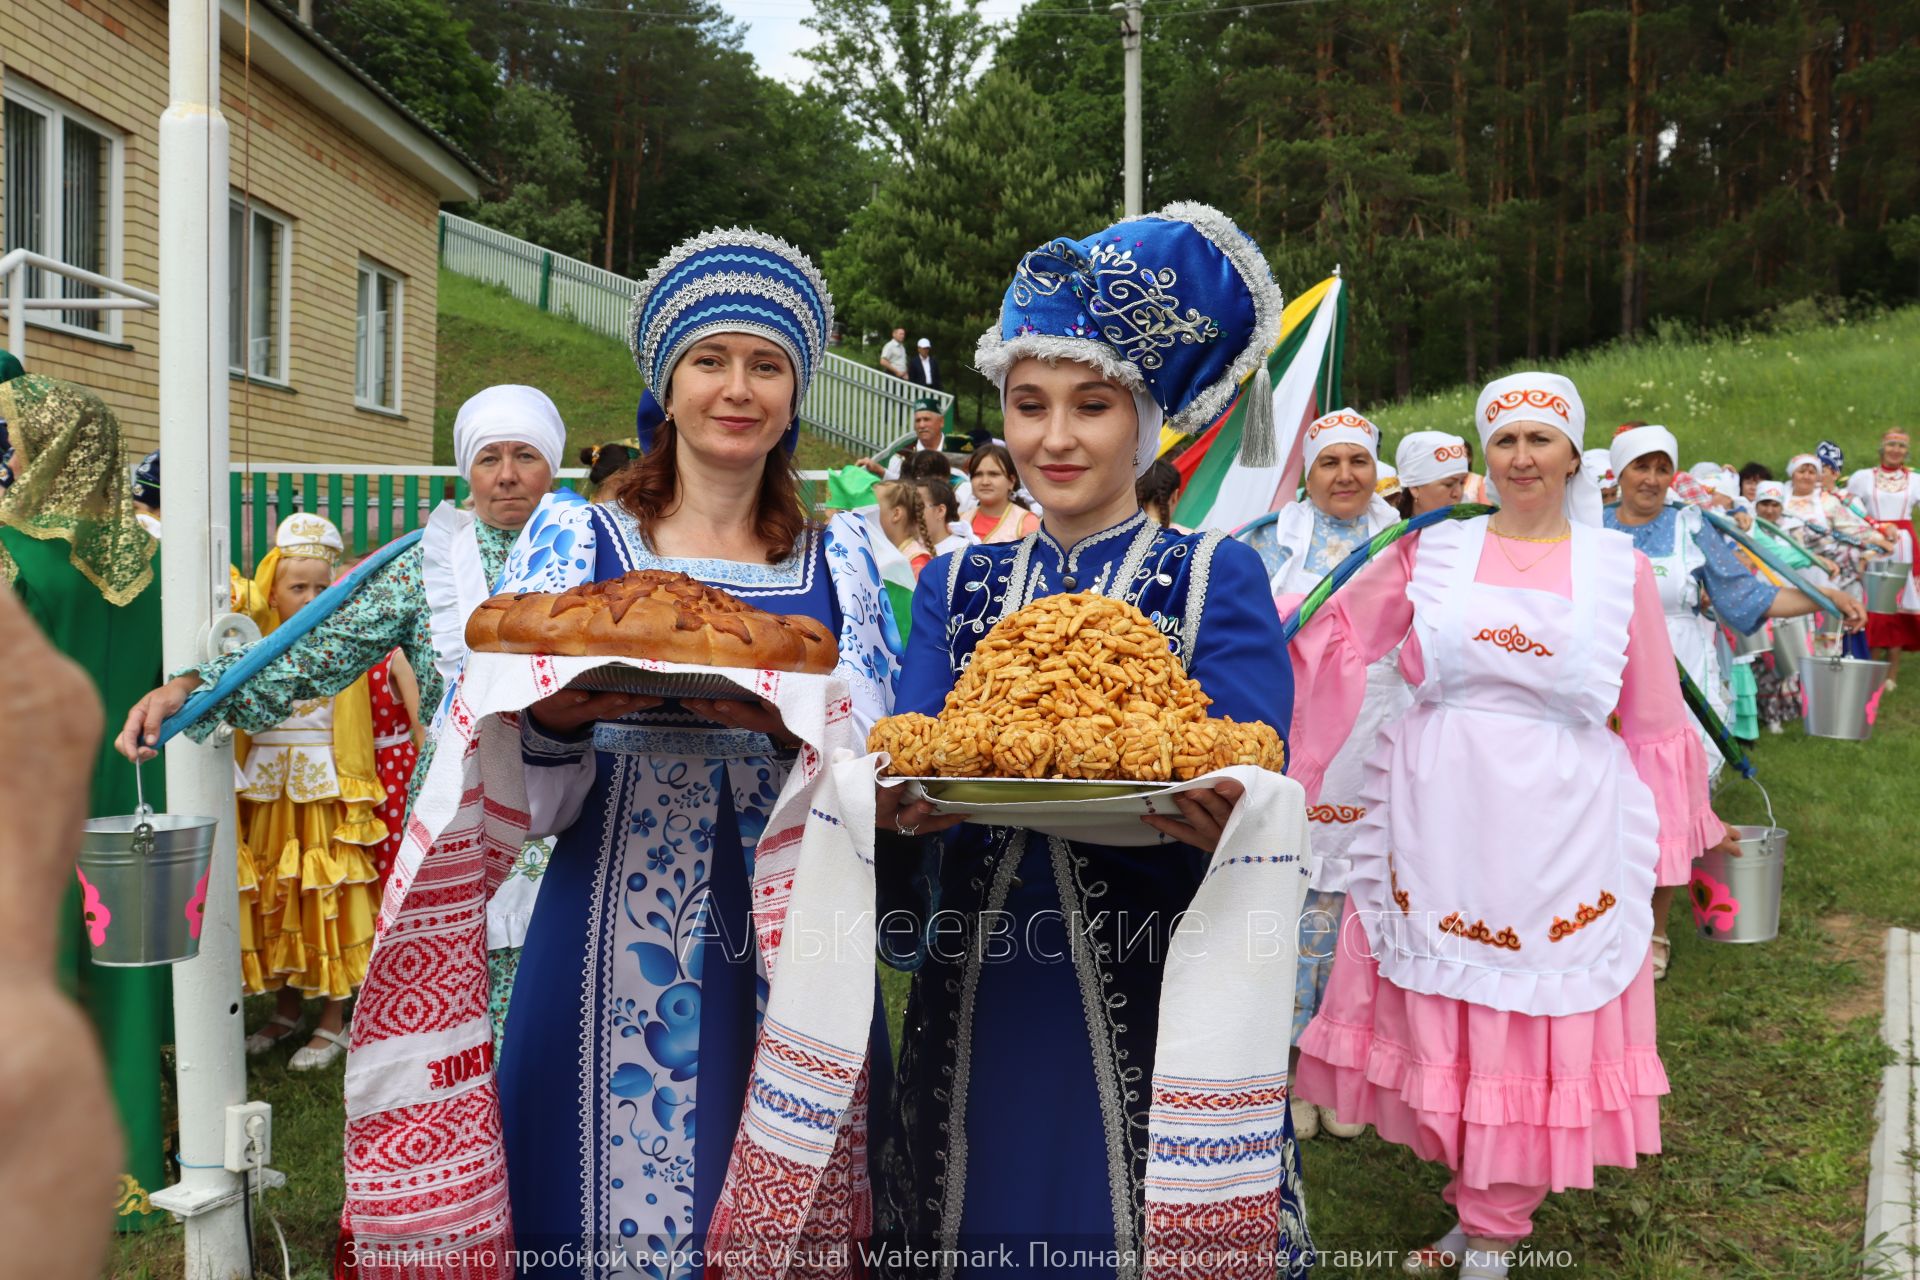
(1493, 786)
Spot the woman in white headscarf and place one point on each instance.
(1433, 471)
(1694, 566)
(1342, 511)
(1831, 528)
(507, 442)
(1491, 1003)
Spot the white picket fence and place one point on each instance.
(850, 404)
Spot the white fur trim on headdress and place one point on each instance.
(1638, 442)
(1426, 456)
(508, 412)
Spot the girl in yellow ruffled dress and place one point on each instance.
(308, 788)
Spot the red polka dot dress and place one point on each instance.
(394, 758)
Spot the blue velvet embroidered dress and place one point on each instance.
(993, 1049)
(639, 995)
(1027, 1092)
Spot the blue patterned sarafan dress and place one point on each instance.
(628, 1043)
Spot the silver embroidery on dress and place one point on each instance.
(596, 998)
(956, 1164)
(1103, 1040)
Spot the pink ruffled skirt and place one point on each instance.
(1496, 1097)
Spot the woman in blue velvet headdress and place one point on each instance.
(1026, 1078)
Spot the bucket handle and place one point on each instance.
(1755, 779)
(142, 817)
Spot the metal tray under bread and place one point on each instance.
(1105, 812)
(617, 678)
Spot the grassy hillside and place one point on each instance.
(487, 337)
(1731, 398)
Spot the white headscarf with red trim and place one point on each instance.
(1426, 456)
(1552, 401)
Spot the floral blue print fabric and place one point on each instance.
(1739, 599)
(638, 994)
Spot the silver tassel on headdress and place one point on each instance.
(1256, 432)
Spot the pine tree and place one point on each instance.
(936, 247)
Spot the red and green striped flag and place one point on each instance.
(1221, 492)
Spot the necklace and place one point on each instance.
(1501, 540)
(1514, 537)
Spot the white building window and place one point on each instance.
(376, 365)
(258, 286)
(62, 182)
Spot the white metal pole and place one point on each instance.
(1130, 42)
(193, 436)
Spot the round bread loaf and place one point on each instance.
(652, 613)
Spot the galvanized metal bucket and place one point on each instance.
(1884, 581)
(1789, 645)
(1742, 645)
(143, 885)
(1738, 899)
(1837, 691)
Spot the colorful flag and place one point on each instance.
(1219, 491)
(850, 488)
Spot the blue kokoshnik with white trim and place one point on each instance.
(727, 281)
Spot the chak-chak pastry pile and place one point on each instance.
(1074, 686)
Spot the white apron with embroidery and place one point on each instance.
(1889, 497)
(1334, 817)
(1694, 637)
(1508, 853)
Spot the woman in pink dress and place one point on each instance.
(1491, 1004)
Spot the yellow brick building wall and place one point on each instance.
(345, 202)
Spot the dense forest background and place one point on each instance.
(1496, 180)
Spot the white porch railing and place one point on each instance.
(15, 265)
(850, 404)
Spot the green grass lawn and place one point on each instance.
(487, 337)
(1773, 1050)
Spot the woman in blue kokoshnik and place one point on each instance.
(1023, 1089)
(638, 994)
